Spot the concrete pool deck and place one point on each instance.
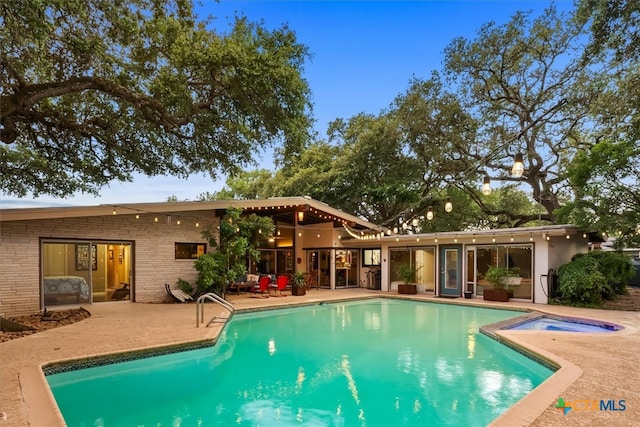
(593, 367)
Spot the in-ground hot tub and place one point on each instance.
(565, 324)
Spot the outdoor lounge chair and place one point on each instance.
(177, 294)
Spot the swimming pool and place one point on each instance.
(369, 363)
(545, 323)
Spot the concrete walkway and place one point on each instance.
(594, 367)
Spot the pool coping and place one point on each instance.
(517, 321)
(564, 373)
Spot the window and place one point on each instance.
(190, 250)
(371, 257)
(517, 258)
(423, 259)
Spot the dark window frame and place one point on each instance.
(191, 250)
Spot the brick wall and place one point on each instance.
(153, 252)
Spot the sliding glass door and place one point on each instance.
(77, 272)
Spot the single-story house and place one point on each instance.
(91, 254)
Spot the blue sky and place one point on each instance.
(363, 55)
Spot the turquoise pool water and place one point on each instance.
(564, 325)
(369, 363)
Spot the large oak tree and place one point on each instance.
(606, 179)
(95, 90)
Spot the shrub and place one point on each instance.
(590, 277)
(184, 286)
(617, 269)
(211, 272)
(581, 281)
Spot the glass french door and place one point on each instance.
(319, 267)
(78, 272)
(346, 264)
(450, 270)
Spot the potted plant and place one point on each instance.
(496, 276)
(407, 274)
(298, 285)
(513, 279)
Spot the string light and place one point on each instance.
(448, 206)
(486, 186)
(430, 213)
(518, 166)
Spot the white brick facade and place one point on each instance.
(153, 256)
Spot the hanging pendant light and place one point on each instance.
(430, 213)
(486, 185)
(518, 166)
(448, 206)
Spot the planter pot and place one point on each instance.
(467, 294)
(298, 290)
(513, 281)
(495, 295)
(407, 289)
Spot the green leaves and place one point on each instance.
(605, 181)
(590, 277)
(112, 88)
(238, 238)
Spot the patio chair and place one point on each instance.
(282, 282)
(177, 294)
(311, 281)
(262, 286)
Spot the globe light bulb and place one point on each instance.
(486, 186)
(430, 213)
(448, 206)
(518, 166)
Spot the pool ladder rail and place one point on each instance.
(210, 296)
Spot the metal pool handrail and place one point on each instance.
(213, 298)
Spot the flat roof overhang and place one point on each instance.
(501, 235)
(281, 208)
